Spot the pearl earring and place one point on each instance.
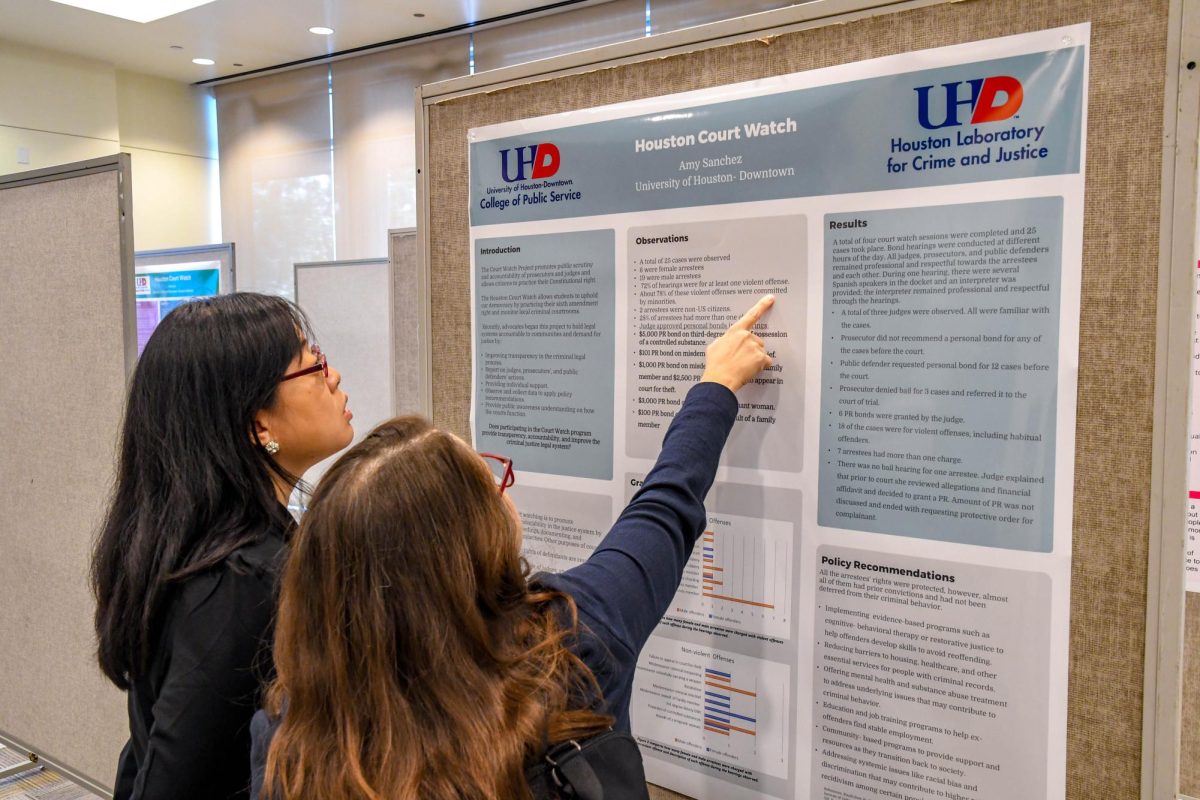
(272, 447)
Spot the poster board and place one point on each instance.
(901, 576)
(349, 304)
(68, 353)
(163, 279)
(1188, 207)
(1111, 593)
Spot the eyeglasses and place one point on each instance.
(322, 365)
(502, 470)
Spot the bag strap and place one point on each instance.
(572, 774)
(607, 766)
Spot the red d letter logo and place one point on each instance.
(986, 109)
(545, 162)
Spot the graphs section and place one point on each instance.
(739, 577)
(714, 704)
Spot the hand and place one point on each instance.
(735, 357)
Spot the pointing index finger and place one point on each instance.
(751, 317)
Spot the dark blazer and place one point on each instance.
(189, 715)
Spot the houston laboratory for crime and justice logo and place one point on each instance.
(985, 100)
(956, 117)
(542, 161)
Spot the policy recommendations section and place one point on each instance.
(940, 367)
(544, 343)
(687, 283)
(928, 679)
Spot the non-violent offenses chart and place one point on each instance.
(879, 604)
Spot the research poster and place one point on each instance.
(158, 290)
(1192, 557)
(879, 604)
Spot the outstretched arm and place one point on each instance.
(628, 582)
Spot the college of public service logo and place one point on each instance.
(141, 284)
(542, 161)
(989, 100)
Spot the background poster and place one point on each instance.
(879, 605)
(159, 289)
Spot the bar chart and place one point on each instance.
(739, 577)
(724, 706)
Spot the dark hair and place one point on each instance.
(193, 484)
(413, 655)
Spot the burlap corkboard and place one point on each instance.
(1189, 751)
(1117, 326)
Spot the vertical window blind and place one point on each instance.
(318, 163)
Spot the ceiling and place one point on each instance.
(251, 33)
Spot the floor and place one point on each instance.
(37, 784)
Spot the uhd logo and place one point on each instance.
(982, 96)
(542, 159)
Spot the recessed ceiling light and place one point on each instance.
(320, 31)
(136, 10)
(204, 62)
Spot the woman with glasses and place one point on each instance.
(228, 406)
(416, 656)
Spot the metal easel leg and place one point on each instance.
(31, 763)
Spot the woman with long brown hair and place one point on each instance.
(416, 656)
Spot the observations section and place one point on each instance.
(940, 369)
(687, 283)
(929, 679)
(544, 341)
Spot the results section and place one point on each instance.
(941, 372)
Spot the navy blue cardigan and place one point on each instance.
(625, 587)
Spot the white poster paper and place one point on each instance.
(1192, 556)
(879, 605)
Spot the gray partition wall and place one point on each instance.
(410, 324)
(67, 337)
(349, 306)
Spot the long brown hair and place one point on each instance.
(414, 658)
